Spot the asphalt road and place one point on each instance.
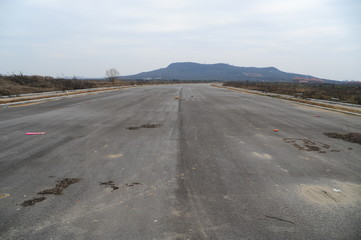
(212, 169)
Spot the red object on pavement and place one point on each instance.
(276, 130)
(35, 133)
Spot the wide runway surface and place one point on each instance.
(140, 163)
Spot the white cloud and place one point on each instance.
(166, 4)
(287, 7)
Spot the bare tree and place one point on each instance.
(112, 74)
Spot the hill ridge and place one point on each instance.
(222, 72)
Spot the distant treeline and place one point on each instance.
(16, 84)
(21, 84)
(349, 93)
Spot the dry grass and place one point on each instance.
(21, 84)
(329, 106)
(348, 93)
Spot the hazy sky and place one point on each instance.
(87, 37)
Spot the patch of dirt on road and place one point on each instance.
(26, 104)
(4, 195)
(343, 194)
(112, 156)
(144, 126)
(349, 137)
(308, 145)
(262, 155)
(31, 202)
(110, 184)
(60, 186)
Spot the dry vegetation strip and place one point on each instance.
(15, 85)
(22, 84)
(348, 93)
(30, 98)
(292, 99)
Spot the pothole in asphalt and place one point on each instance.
(144, 126)
(349, 137)
(132, 184)
(133, 128)
(308, 145)
(110, 184)
(342, 194)
(60, 186)
(32, 202)
(150, 126)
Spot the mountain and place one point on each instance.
(221, 72)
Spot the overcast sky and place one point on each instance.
(87, 37)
